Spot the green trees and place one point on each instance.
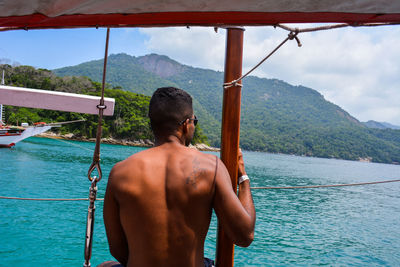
(129, 122)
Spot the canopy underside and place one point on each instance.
(36, 14)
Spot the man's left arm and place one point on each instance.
(115, 234)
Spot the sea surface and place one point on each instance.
(346, 226)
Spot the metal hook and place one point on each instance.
(95, 165)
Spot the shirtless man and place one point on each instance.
(158, 203)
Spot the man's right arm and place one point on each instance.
(236, 215)
(115, 234)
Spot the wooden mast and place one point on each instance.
(230, 130)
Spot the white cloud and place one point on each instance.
(355, 68)
(197, 46)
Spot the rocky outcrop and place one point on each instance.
(366, 159)
(108, 140)
(204, 147)
(161, 65)
(123, 142)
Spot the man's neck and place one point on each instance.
(170, 139)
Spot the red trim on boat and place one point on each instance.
(9, 134)
(7, 146)
(38, 21)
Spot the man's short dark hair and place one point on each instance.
(168, 107)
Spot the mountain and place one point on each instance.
(380, 125)
(132, 74)
(276, 116)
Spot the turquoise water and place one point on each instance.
(348, 226)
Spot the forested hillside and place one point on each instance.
(276, 116)
(130, 120)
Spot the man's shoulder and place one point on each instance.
(124, 166)
(136, 158)
(199, 155)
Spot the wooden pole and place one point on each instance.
(230, 130)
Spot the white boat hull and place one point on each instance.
(9, 140)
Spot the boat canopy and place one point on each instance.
(39, 14)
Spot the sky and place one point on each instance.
(357, 69)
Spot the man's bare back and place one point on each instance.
(165, 198)
(158, 202)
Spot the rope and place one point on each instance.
(65, 122)
(331, 27)
(293, 32)
(322, 186)
(262, 187)
(96, 154)
(72, 144)
(95, 165)
(291, 36)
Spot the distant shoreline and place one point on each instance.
(148, 143)
(112, 141)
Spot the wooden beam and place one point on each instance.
(230, 130)
(34, 98)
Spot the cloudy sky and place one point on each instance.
(355, 68)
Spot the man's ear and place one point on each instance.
(185, 126)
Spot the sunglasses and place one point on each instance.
(195, 120)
